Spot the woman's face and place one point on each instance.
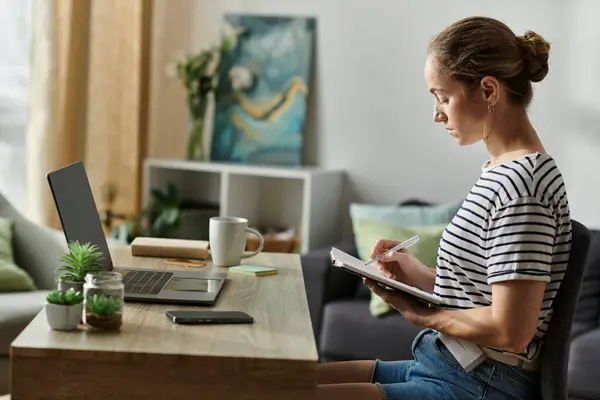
(462, 116)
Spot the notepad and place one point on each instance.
(255, 270)
(353, 265)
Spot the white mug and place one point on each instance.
(227, 238)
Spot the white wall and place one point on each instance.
(369, 88)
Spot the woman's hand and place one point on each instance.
(410, 308)
(396, 265)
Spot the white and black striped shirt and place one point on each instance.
(514, 224)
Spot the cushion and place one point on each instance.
(367, 233)
(372, 222)
(12, 278)
(385, 338)
(425, 250)
(406, 215)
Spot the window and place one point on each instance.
(15, 36)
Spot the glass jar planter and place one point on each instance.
(103, 300)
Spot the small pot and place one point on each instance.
(63, 318)
(66, 285)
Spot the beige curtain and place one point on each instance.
(56, 130)
(89, 94)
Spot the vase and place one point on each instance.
(64, 285)
(195, 150)
(62, 317)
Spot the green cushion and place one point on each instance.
(368, 232)
(12, 278)
(406, 215)
(372, 222)
(425, 249)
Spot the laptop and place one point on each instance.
(80, 221)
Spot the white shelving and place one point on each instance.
(307, 198)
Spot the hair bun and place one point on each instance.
(535, 52)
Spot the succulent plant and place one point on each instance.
(68, 298)
(99, 304)
(79, 261)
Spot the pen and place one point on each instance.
(400, 246)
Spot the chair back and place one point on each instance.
(554, 356)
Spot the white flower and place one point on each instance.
(241, 78)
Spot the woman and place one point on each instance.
(503, 256)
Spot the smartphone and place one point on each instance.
(198, 317)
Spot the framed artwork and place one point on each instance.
(262, 93)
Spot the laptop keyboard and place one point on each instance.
(145, 282)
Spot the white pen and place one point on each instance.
(400, 246)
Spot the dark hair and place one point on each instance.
(475, 47)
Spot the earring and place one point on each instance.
(491, 107)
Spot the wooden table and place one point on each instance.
(152, 358)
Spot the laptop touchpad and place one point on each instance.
(179, 284)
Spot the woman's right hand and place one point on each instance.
(396, 265)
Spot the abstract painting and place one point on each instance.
(262, 93)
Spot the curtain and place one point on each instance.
(56, 130)
(88, 99)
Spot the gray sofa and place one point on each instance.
(345, 330)
(37, 250)
(342, 323)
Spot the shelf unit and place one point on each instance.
(307, 198)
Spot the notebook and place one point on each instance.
(169, 248)
(353, 265)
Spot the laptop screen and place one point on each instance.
(77, 209)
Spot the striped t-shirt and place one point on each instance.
(514, 224)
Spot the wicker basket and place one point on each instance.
(274, 244)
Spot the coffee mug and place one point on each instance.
(227, 238)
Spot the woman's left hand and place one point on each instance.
(410, 308)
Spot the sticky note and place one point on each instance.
(256, 270)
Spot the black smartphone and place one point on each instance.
(197, 317)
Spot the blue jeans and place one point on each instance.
(435, 374)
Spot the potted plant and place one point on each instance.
(103, 312)
(168, 215)
(77, 263)
(158, 218)
(64, 309)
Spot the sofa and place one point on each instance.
(37, 250)
(345, 329)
